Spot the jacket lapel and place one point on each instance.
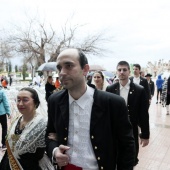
(64, 109)
(131, 93)
(117, 89)
(97, 111)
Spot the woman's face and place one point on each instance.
(25, 102)
(97, 79)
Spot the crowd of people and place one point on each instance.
(90, 124)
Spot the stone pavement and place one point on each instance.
(156, 156)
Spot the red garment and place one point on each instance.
(57, 84)
(72, 167)
(4, 83)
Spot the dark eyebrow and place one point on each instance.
(66, 63)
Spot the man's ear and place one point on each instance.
(86, 69)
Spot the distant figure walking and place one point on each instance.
(4, 111)
(159, 83)
(49, 87)
(57, 83)
(10, 80)
(166, 94)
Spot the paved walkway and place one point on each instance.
(156, 156)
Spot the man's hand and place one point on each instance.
(144, 142)
(52, 136)
(61, 158)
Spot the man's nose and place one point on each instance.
(62, 71)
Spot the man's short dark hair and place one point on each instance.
(82, 58)
(123, 63)
(137, 65)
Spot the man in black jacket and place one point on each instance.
(141, 81)
(86, 127)
(151, 84)
(136, 102)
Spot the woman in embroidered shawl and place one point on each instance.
(26, 138)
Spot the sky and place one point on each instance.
(140, 29)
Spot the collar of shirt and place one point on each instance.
(127, 86)
(82, 100)
(137, 78)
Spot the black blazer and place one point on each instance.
(110, 128)
(137, 106)
(144, 83)
(49, 89)
(152, 87)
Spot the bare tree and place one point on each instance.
(33, 40)
(37, 42)
(5, 52)
(90, 44)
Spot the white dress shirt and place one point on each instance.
(124, 91)
(81, 152)
(136, 80)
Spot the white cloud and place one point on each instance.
(140, 27)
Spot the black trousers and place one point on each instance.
(3, 122)
(136, 137)
(159, 92)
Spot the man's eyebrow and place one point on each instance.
(65, 63)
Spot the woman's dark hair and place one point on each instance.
(34, 95)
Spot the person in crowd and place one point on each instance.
(87, 125)
(4, 82)
(151, 84)
(159, 83)
(10, 80)
(38, 80)
(99, 80)
(141, 81)
(4, 112)
(57, 83)
(2, 78)
(89, 79)
(26, 138)
(49, 87)
(165, 96)
(142, 74)
(116, 80)
(136, 101)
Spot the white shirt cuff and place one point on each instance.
(53, 158)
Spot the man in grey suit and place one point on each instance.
(87, 128)
(136, 102)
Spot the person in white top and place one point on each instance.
(87, 129)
